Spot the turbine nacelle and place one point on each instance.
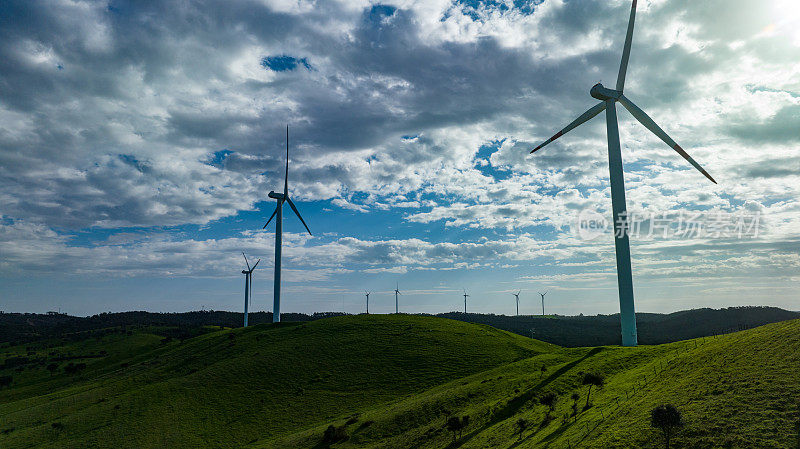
(603, 93)
(276, 196)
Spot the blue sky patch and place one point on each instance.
(380, 12)
(217, 158)
(284, 63)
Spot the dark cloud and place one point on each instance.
(194, 97)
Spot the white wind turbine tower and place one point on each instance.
(516, 295)
(367, 294)
(608, 99)
(248, 285)
(396, 303)
(281, 198)
(465, 300)
(542, 295)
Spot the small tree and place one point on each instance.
(446, 413)
(520, 426)
(668, 419)
(575, 397)
(549, 399)
(5, 381)
(456, 425)
(542, 371)
(334, 434)
(53, 367)
(592, 379)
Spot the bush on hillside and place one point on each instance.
(575, 397)
(74, 368)
(520, 426)
(549, 400)
(334, 434)
(667, 418)
(457, 425)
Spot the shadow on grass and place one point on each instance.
(558, 432)
(515, 404)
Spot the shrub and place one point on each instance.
(5, 381)
(74, 368)
(549, 400)
(334, 434)
(457, 425)
(575, 397)
(520, 426)
(668, 419)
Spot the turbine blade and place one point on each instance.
(626, 51)
(291, 204)
(286, 177)
(598, 108)
(254, 266)
(271, 216)
(246, 262)
(648, 123)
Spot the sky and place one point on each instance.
(139, 140)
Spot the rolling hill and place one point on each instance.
(392, 382)
(232, 387)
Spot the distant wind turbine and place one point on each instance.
(248, 285)
(281, 198)
(367, 293)
(608, 99)
(465, 300)
(516, 295)
(396, 303)
(542, 295)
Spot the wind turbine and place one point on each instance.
(281, 198)
(608, 99)
(248, 285)
(465, 300)
(367, 293)
(396, 292)
(516, 295)
(542, 295)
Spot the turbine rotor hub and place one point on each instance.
(603, 93)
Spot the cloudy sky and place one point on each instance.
(139, 140)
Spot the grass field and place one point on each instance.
(391, 381)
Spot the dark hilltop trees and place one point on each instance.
(667, 418)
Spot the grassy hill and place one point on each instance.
(233, 387)
(391, 382)
(740, 390)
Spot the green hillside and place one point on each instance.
(740, 390)
(391, 381)
(233, 387)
